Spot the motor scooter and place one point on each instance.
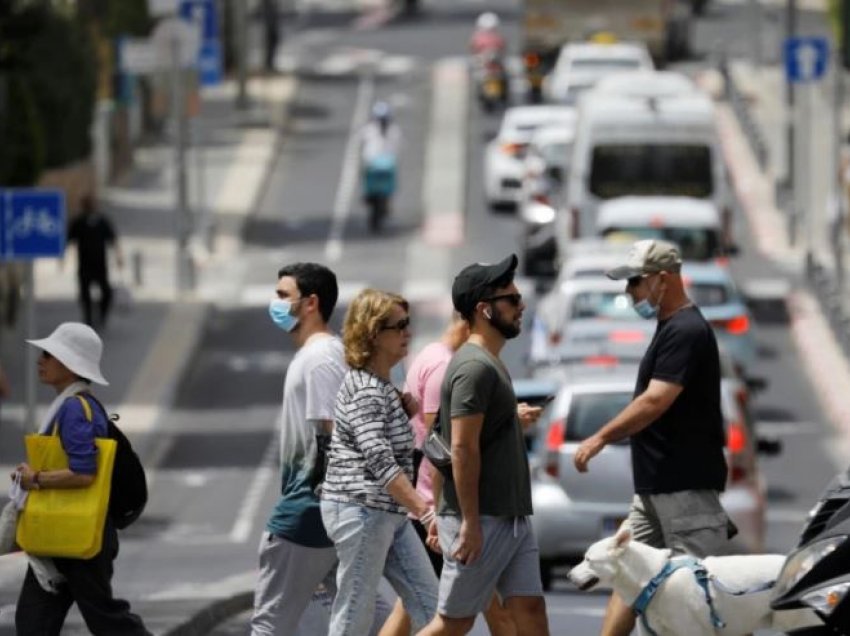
(816, 574)
(379, 184)
(492, 81)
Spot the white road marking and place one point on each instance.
(350, 168)
(263, 477)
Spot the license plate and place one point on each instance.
(610, 525)
(492, 88)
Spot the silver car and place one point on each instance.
(573, 510)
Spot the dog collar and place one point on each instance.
(651, 589)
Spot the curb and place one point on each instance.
(204, 620)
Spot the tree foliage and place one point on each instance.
(48, 65)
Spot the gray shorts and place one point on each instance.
(509, 564)
(687, 522)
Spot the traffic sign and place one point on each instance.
(204, 15)
(806, 58)
(33, 223)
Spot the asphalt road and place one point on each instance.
(216, 477)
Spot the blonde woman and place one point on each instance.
(368, 489)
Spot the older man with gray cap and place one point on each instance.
(674, 422)
(483, 520)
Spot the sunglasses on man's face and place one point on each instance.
(400, 326)
(513, 299)
(46, 355)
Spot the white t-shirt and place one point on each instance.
(309, 395)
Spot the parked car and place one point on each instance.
(545, 172)
(572, 510)
(581, 65)
(503, 157)
(692, 224)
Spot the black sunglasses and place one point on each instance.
(513, 299)
(46, 355)
(634, 281)
(401, 325)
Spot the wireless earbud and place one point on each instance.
(488, 315)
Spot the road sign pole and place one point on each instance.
(790, 32)
(807, 150)
(181, 216)
(30, 369)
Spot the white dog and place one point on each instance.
(680, 606)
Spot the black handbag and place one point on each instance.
(436, 450)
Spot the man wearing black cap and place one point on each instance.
(674, 422)
(483, 523)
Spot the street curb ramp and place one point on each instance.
(203, 621)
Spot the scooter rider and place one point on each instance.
(487, 39)
(381, 135)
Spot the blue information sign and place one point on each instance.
(806, 58)
(203, 12)
(32, 223)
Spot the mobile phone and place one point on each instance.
(547, 401)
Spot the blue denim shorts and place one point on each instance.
(509, 564)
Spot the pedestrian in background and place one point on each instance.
(295, 552)
(93, 233)
(271, 32)
(674, 422)
(484, 527)
(69, 363)
(368, 488)
(423, 382)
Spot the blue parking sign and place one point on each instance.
(806, 58)
(33, 223)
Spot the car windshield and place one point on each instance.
(591, 411)
(599, 304)
(608, 64)
(709, 295)
(651, 169)
(695, 243)
(556, 154)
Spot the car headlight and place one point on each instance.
(801, 563)
(826, 599)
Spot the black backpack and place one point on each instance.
(129, 493)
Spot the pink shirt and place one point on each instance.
(424, 379)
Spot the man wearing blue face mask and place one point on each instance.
(296, 554)
(674, 422)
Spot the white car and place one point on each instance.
(581, 65)
(692, 224)
(504, 156)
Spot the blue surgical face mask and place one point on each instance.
(281, 313)
(645, 309)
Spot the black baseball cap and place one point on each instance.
(470, 285)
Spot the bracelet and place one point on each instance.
(428, 517)
(37, 486)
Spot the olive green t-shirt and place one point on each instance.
(477, 382)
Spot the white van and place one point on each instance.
(642, 142)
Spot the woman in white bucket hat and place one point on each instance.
(70, 362)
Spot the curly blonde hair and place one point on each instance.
(366, 314)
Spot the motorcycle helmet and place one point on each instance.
(487, 21)
(381, 111)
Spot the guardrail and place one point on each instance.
(738, 101)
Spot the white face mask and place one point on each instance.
(646, 309)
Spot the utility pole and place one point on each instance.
(790, 32)
(240, 19)
(182, 219)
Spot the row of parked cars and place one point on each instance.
(621, 152)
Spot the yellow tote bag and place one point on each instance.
(65, 522)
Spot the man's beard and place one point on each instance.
(508, 329)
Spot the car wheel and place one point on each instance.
(546, 575)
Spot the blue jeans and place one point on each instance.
(371, 543)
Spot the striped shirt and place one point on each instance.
(372, 442)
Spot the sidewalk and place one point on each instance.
(819, 310)
(148, 344)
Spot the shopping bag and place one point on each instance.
(65, 523)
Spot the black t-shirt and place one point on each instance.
(682, 449)
(92, 233)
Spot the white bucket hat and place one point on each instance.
(78, 347)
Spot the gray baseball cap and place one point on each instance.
(648, 257)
